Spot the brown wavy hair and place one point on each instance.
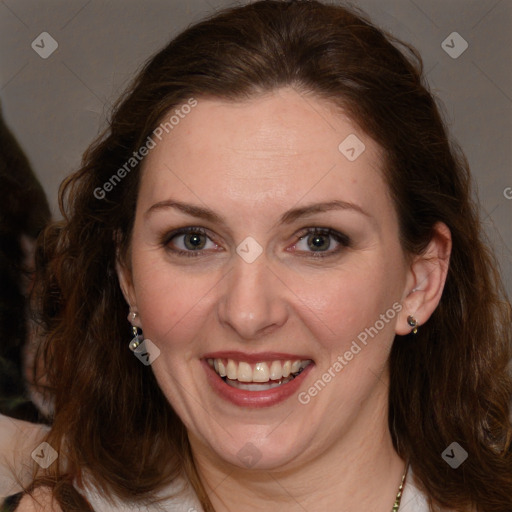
(450, 383)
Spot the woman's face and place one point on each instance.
(254, 287)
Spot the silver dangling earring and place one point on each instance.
(137, 338)
(413, 323)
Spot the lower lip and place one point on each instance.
(254, 399)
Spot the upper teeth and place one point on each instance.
(260, 372)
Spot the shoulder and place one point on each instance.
(177, 496)
(40, 500)
(413, 499)
(14, 431)
(17, 441)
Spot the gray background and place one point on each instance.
(56, 106)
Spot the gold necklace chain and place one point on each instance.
(398, 499)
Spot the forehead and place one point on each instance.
(275, 149)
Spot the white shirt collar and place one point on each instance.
(413, 500)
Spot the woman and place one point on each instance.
(317, 321)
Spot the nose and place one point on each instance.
(253, 302)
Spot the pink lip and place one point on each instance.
(254, 399)
(255, 358)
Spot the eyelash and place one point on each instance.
(342, 239)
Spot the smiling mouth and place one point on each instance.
(260, 376)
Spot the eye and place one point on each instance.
(193, 242)
(319, 241)
(190, 241)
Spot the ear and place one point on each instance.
(124, 275)
(425, 280)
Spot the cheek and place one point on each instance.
(171, 303)
(341, 305)
(356, 332)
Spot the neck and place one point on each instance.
(360, 471)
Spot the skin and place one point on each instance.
(251, 162)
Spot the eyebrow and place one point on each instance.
(287, 218)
